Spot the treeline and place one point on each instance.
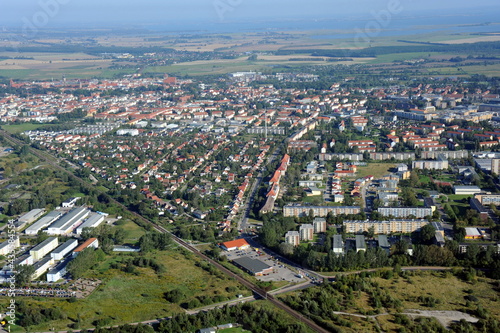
(472, 48)
(255, 317)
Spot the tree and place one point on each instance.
(24, 274)
(427, 233)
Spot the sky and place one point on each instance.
(196, 13)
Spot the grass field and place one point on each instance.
(375, 169)
(14, 129)
(126, 297)
(134, 232)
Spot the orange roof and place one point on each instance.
(235, 243)
(85, 244)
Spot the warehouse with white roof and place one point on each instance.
(68, 222)
(92, 222)
(43, 222)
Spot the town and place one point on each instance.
(283, 183)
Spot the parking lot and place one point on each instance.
(280, 273)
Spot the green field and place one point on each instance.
(14, 129)
(134, 232)
(127, 298)
(376, 170)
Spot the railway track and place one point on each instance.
(257, 290)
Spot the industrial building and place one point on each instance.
(466, 190)
(42, 266)
(42, 249)
(89, 243)
(56, 273)
(9, 245)
(68, 222)
(64, 249)
(43, 222)
(29, 217)
(92, 222)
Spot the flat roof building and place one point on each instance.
(292, 237)
(31, 216)
(56, 273)
(360, 243)
(254, 266)
(383, 242)
(306, 232)
(466, 190)
(42, 266)
(44, 222)
(338, 244)
(383, 227)
(319, 224)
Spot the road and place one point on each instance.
(243, 222)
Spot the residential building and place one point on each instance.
(417, 212)
(306, 232)
(321, 211)
(319, 225)
(383, 243)
(384, 227)
(338, 244)
(360, 243)
(292, 237)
